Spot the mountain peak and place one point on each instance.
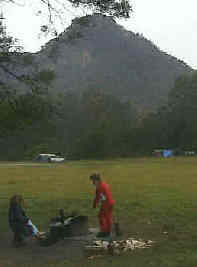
(81, 26)
(95, 51)
(96, 18)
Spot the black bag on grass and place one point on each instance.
(65, 226)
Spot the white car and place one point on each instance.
(56, 159)
(49, 158)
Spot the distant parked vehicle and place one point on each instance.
(49, 158)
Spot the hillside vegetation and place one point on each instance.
(96, 52)
(66, 102)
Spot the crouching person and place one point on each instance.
(20, 224)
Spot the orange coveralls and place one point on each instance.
(104, 195)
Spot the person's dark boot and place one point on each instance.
(19, 240)
(117, 230)
(103, 234)
(100, 234)
(18, 244)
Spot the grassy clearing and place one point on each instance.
(152, 196)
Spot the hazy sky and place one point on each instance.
(170, 24)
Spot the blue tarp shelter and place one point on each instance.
(167, 153)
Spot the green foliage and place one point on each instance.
(20, 111)
(53, 53)
(119, 9)
(104, 122)
(10, 59)
(74, 35)
(141, 72)
(45, 76)
(56, 10)
(74, 31)
(174, 125)
(83, 21)
(28, 59)
(97, 124)
(94, 125)
(7, 43)
(35, 150)
(183, 111)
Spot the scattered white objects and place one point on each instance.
(117, 247)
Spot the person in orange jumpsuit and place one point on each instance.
(104, 197)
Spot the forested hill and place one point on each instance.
(91, 68)
(96, 52)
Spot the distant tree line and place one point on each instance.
(174, 125)
(96, 124)
(92, 124)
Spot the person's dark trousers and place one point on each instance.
(20, 233)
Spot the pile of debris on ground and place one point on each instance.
(99, 247)
(75, 227)
(63, 226)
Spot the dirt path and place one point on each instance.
(25, 164)
(33, 254)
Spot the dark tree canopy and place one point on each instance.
(115, 8)
(119, 9)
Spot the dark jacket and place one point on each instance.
(17, 215)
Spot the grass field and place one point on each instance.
(152, 196)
